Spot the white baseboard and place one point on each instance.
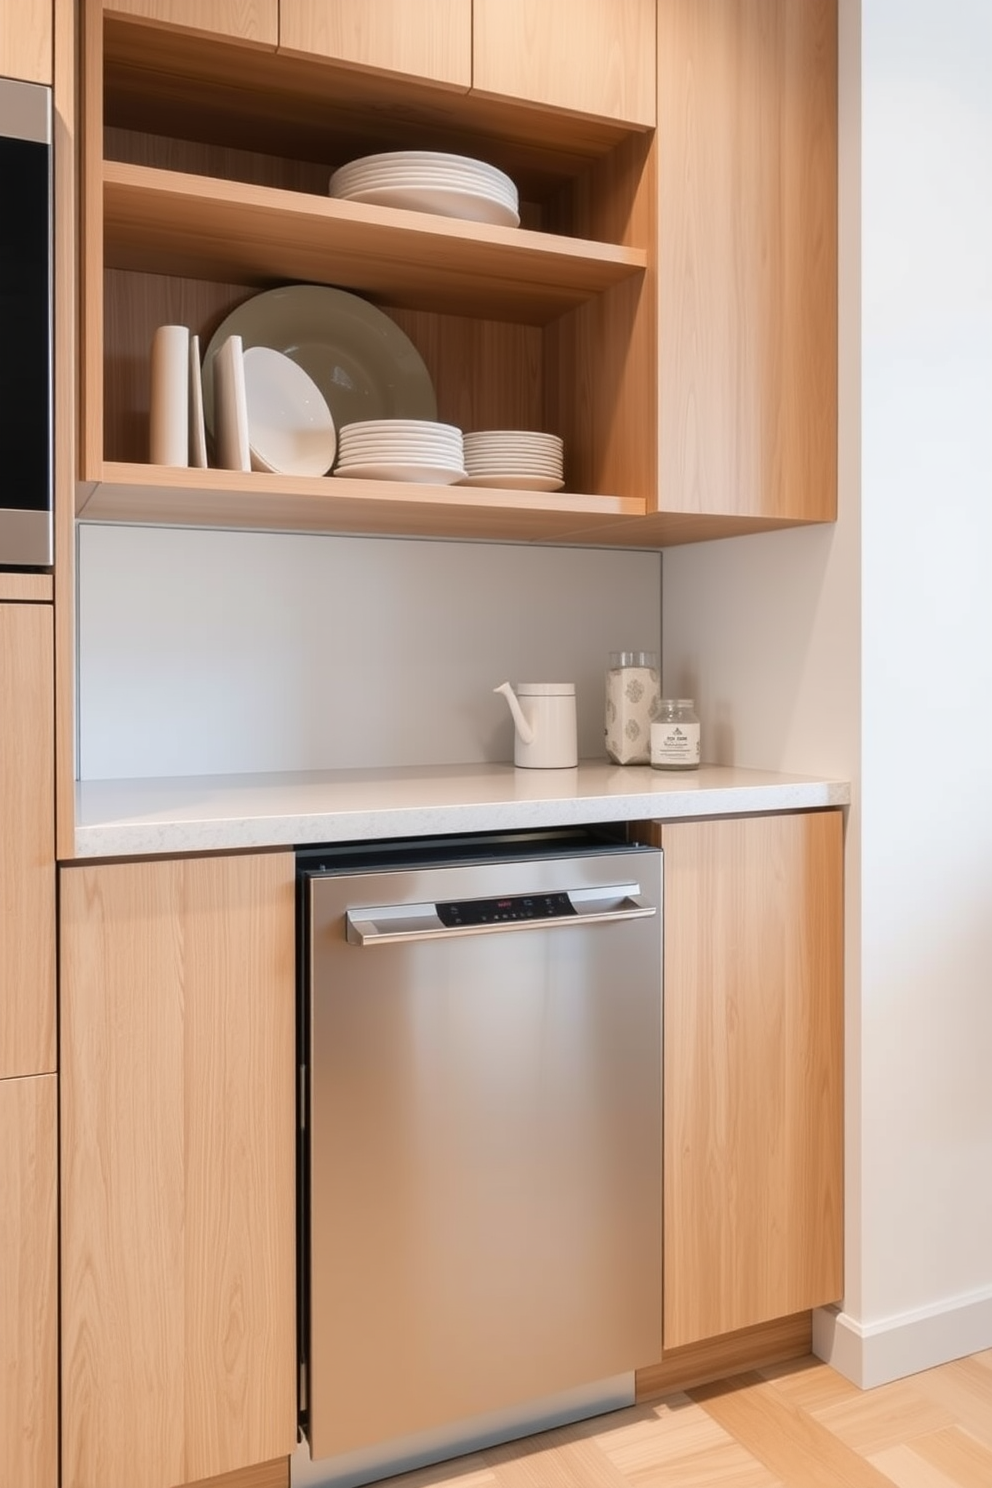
(872, 1354)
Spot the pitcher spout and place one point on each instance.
(524, 730)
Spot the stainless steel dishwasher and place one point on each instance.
(481, 1148)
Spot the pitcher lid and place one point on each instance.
(544, 689)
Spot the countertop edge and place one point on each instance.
(177, 817)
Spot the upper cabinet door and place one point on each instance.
(430, 40)
(747, 257)
(26, 41)
(255, 21)
(585, 56)
(27, 841)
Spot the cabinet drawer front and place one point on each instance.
(238, 20)
(587, 56)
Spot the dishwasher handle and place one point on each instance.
(395, 924)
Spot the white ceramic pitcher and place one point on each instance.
(546, 732)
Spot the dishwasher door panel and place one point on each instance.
(485, 1155)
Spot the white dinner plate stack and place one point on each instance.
(428, 181)
(401, 450)
(516, 459)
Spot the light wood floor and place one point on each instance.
(796, 1425)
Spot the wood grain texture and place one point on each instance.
(248, 21)
(26, 40)
(753, 1071)
(578, 55)
(27, 840)
(178, 1132)
(430, 41)
(201, 227)
(273, 1474)
(26, 587)
(715, 1358)
(747, 138)
(790, 1442)
(28, 1283)
(768, 1428)
(89, 419)
(65, 385)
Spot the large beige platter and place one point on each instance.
(365, 366)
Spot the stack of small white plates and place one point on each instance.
(428, 181)
(401, 450)
(516, 459)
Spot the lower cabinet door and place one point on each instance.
(178, 1122)
(28, 1284)
(753, 1030)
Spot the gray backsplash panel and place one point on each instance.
(207, 652)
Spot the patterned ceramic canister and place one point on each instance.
(633, 695)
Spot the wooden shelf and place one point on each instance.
(229, 499)
(163, 221)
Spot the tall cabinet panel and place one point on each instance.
(431, 40)
(27, 841)
(178, 1183)
(753, 1071)
(28, 1284)
(26, 40)
(747, 347)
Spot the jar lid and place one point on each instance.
(544, 689)
(678, 703)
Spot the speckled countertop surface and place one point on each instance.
(196, 813)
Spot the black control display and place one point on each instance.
(499, 911)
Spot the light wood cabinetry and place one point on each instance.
(431, 40)
(27, 838)
(28, 1284)
(178, 1180)
(255, 22)
(747, 258)
(666, 305)
(753, 1063)
(26, 40)
(580, 55)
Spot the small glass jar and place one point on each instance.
(675, 736)
(633, 691)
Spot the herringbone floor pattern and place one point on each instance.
(797, 1425)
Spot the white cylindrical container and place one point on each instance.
(633, 693)
(675, 736)
(548, 710)
(168, 441)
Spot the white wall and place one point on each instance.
(208, 652)
(767, 630)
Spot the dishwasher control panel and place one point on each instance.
(457, 915)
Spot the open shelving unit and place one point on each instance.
(205, 175)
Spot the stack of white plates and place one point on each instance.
(401, 450)
(428, 181)
(514, 458)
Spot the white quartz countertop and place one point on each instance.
(207, 813)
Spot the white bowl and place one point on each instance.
(290, 428)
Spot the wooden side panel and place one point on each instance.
(254, 21)
(66, 382)
(430, 41)
(753, 1071)
(26, 40)
(27, 840)
(28, 1284)
(747, 140)
(178, 1178)
(587, 56)
(717, 1358)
